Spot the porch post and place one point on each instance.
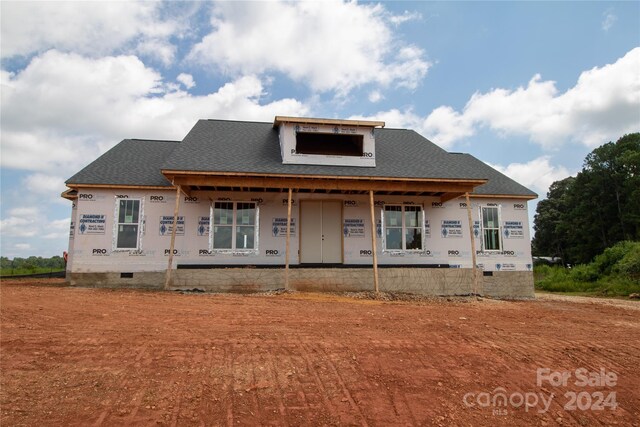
(173, 238)
(373, 243)
(473, 245)
(287, 251)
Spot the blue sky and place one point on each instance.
(528, 87)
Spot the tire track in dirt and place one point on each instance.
(308, 358)
(279, 396)
(343, 386)
(303, 381)
(229, 385)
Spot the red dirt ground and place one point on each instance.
(77, 356)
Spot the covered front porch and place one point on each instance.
(320, 263)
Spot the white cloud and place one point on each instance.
(27, 212)
(23, 149)
(393, 118)
(44, 184)
(160, 49)
(609, 19)
(449, 124)
(602, 106)
(405, 17)
(537, 174)
(332, 46)
(375, 96)
(86, 105)
(186, 80)
(68, 86)
(60, 224)
(445, 126)
(15, 226)
(55, 236)
(49, 186)
(31, 224)
(89, 28)
(20, 222)
(57, 229)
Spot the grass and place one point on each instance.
(573, 281)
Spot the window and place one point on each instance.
(403, 227)
(329, 144)
(234, 225)
(490, 222)
(128, 226)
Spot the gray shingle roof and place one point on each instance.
(226, 146)
(131, 162)
(498, 182)
(253, 147)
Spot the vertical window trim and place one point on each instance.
(116, 222)
(403, 229)
(482, 229)
(256, 228)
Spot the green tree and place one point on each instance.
(583, 216)
(551, 233)
(615, 168)
(5, 262)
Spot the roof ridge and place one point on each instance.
(153, 140)
(237, 121)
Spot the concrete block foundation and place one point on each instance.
(422, 281)
(146, 280)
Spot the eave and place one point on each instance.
(504, 196)
(72, 192)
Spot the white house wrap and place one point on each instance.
(230, 233)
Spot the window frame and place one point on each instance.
(484, 229)
(116, 224)
(234, 226)
(403, 228)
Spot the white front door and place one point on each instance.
(321, 232)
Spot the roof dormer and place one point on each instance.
(308, 141)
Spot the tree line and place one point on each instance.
(32, 264)
(599, 207)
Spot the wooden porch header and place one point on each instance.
(446, 189)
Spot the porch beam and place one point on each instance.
(449, 196)
(325, 184)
